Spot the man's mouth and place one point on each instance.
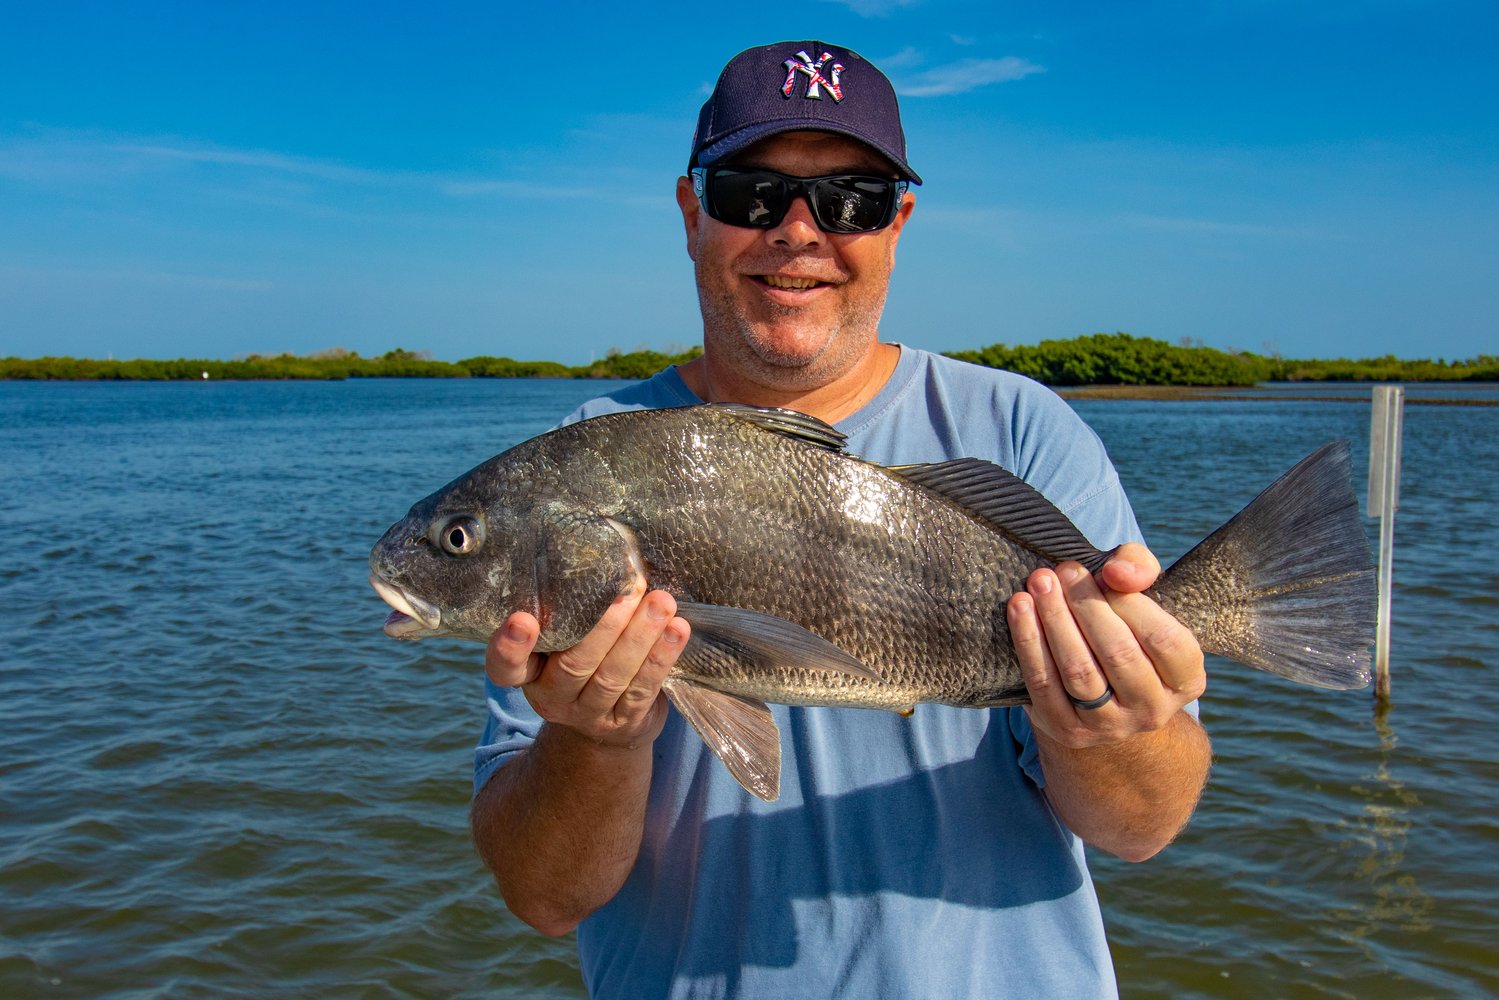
(787, 281)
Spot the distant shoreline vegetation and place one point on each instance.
(1096, 359)
(338, 364)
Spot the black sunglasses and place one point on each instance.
(759, 199)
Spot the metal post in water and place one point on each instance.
(1384, 498)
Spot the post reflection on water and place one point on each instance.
(1392, 898)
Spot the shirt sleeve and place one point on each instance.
(510, 726)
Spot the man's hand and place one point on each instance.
(560, 825)
(1079, 638)
(607, 688)
(1126, 774)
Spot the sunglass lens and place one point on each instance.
(747, 199)
(853, 204)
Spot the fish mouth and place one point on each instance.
(412, 617)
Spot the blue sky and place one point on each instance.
(204, 180)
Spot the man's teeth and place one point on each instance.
(777, 281)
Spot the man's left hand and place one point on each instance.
(1079, 639)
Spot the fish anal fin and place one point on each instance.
(1296, 568)
(1009, 505)
(739, 731)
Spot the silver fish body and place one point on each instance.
(811, 577)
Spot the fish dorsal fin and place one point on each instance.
(739, 731)
(764, 642)
(791, 423)
(1009, 505)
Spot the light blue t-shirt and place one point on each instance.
(906, 857)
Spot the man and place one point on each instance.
(931, 856)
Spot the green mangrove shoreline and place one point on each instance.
(1097, 360)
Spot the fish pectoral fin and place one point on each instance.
(739, 731)
(770, 643)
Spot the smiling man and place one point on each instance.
(791, 311)
(940, 855)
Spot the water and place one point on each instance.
(1486, 393)
(1332, 855)
(217, 777)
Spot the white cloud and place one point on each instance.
(965, 75)
(59, 157)
(265, 176)
(904, 59)
(254, 158)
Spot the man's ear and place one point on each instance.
(907, 206)
(692, 211)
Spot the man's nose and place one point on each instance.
(798, 229)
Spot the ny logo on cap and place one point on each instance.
(815, 80)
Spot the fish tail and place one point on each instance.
(1287, 585)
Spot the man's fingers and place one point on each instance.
(1111, 646)
(1077, 640)
(1131, 569)
(645, 689)
(1060, 595)
(1036, 666)
(610, 683)
(608, 686)
(643, 699)
(570, 671)
(1171, 648)
(509, 659)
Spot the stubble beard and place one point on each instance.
(810, 361)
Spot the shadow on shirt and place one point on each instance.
(906, 856)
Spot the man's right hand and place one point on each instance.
(607, 688)
(560, 826)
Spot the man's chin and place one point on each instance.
(791, 350)
(794, 365)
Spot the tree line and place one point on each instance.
(1095, 359)
(1122, 359)
(339, 364)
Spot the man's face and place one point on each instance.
(792, 307)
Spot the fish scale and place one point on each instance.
(921, 585)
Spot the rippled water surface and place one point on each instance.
(217, 776)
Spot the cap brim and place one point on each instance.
(732, 143)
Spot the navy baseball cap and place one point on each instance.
(794, 86)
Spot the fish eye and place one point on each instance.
(460, 535)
